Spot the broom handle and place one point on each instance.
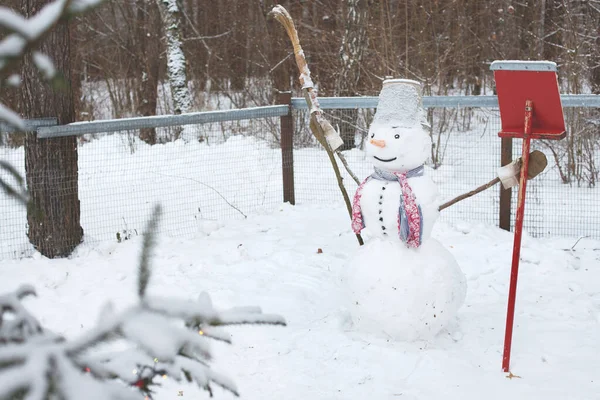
(285, 19)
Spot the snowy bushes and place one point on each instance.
(577, 157)
(162, 336)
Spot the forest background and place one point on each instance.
(233, 48)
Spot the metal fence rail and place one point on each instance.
(568, 100)
(227, 164)
(161, 121)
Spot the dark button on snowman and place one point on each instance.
(402, 284)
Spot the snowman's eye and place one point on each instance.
(372, 135)
(397, 136)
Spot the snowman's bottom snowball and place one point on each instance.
(401, 293)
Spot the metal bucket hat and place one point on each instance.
(401, 104)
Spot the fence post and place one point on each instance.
(505, 194)
(287, 148)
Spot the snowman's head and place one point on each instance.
(399, 138)
(397, 149)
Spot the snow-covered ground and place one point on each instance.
(273, 260)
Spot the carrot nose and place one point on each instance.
(378, 143)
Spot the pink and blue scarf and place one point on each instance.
(410, 217)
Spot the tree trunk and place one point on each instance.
(238, 53)
(354, 44)
(149, 52)
(51, 164)
(539, 51)
(594, 58)
(176, 61)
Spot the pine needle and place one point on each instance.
(148, 244)
(19, 193)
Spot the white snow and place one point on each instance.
(403, 294)
(44, 64)
(272, 259)
(155, 335)
(8, 115)
(79, 6)
(317, 355)
(22, 31)
(12, 21)
(14, 80)
(158, 339)
(11, 46)
(32, 28)
(75, 384)
(22, 324)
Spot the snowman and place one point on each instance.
(402, 284)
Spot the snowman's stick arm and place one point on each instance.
(343, 160)
(469, 194)
(538, 163)
(320, 127)
(314, 125)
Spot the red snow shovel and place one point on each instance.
(530, 108)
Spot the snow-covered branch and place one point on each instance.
(148, 243)
(24, 35)
(163, 336)
(17, 190)
(202, 313)
(16, 323)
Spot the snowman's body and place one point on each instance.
(397, 288)
(381, 220)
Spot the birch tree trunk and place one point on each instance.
(51, 164)
(176, 61)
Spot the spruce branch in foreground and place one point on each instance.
(164, 337)
(18, 190)
(16, 323)
(147, 246)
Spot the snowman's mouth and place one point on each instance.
(382, 160)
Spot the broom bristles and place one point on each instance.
(284, 18)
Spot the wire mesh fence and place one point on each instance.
(214, 171)
(13, 226)
(210, 167)
(563, 199)
(466, 153)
